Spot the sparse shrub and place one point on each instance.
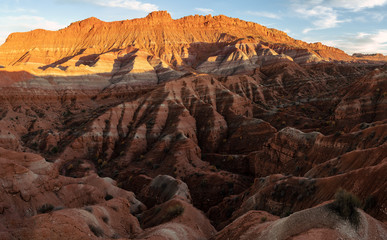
(372, 135)
(34, 145)
(149, 163)
(282, 193)
(300, 197)
(156, 166)
(223, 192)
(150, 123)
(67, 113)
(175, 211)
(54, 150)
(263, 219)
(345, 205)
(105, 219)
(89, 209)
(45, 208)
(204, 183)
(213, 168)
(287, 211)
(333, 171)
(58, 208)
(180, 136)
(229, 212)
(108, 197)
(116, 236)
(230, 184)
(337, 134)
(363, 125)
(301, 181)
(370, 203)
(96, 230)
(157, 210)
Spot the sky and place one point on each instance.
(355, 26)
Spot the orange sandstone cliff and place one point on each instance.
(181, 42)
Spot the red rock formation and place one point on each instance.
(84, 45)
(370, 57)
(202, 113)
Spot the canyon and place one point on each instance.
(196, 128)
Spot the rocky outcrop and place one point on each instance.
(163, 188)
(370, 106)
(177, 219)
(124, 49)
(316, 223)
(370, 57)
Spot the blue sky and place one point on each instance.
(352, 25)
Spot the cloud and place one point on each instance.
(323, 14)
(363, 42)
(205, 10)
(25, 23)
(128, 4)
(355, 5)
(326, 14)
(323, 17)
(32, 22)
(264, 14)
(288, 31)
(17, 10)
(373, 16)
(377, 16)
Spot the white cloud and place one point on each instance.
(363, 42)
(32, 22)
(264, 14)
(128, 4)
(17, 10)
(288, 31)
(25, 23)
(326, 14)
(323, 17)
(355, 5)
(205, 10)
(370, 16)
(377, 16)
